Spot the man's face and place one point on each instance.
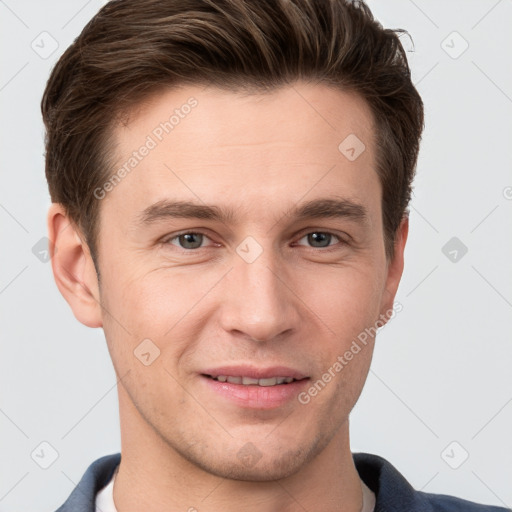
(263, 292)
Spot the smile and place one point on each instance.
(250, 381)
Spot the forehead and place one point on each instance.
(254, 151)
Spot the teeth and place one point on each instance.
(249, 381)
(268, 382)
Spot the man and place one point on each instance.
(230, 182)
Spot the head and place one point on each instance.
(294, 128)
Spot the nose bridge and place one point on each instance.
(260, 306)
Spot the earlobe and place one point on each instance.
(395, 268)
(73, 268)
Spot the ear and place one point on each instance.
(73, 268)
(395, 269)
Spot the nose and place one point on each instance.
(258, 301)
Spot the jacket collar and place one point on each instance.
(97, 475)
(392, 490)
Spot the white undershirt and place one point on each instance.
(368, 498)
(105, 498)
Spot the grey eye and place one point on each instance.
(319, 238)
(189, 240)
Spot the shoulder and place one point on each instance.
(97, 475)
(393, 493)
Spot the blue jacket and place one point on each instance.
(392, 491)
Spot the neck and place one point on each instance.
(152, 476)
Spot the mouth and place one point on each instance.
(251, 381)
(255, 388)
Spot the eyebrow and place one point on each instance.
(315, 209)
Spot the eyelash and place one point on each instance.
(329, 248)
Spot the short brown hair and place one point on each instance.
(132, 48)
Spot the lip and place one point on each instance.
(252, 396)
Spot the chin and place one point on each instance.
(252, 464)
(267, 469)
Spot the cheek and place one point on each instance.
(147, 303)
(347, 300)
(156, 306)
(143, 316)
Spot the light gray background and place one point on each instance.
(442, 367)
